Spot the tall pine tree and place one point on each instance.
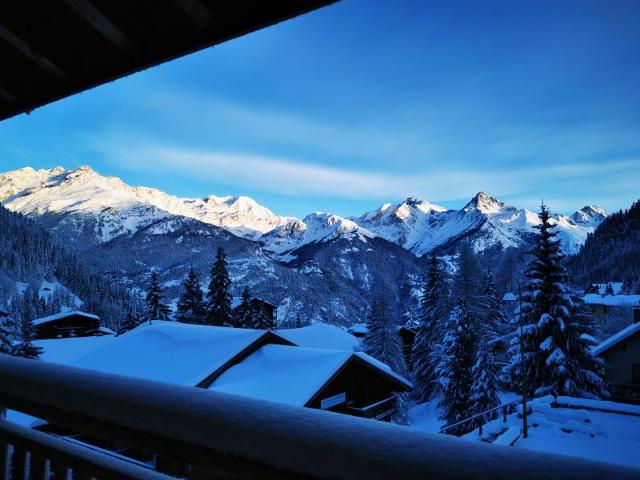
(156, 309)
(244, 313)
(7, 327)
(484, 389)
(26, 334)
(494, 323)
(426, 350)
(455, 369)
(556, 332)
(382, 340)
(219, 311)
(191, 308)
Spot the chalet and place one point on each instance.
(71, 323)
(359, 330)
(621, 355)
(257, 363)
(341, 381)
(603, 304)
(257, 304)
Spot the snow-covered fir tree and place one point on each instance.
(484, 389)
(244, 313)
(455, 369)
(219, 311)
(262, 319)
(156, 309)
(26, 334)
(557, 334)
(7, 329)
(191, 307)
(382, 340)
(426, 351)
(495, 322)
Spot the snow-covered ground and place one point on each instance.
(583, 430)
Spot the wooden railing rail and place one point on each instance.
(224, 436)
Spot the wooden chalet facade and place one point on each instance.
(621, 355)
(68, 324)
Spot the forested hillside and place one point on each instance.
(29, 255)
(612, 252)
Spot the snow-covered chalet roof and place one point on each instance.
(170, 352)
(65, 314)
(320, 335)
(614, 340)
(290, 375)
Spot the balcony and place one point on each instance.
(199, 434)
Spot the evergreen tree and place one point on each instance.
(468, 280)
(131, 321)
(455, 370)
(219, 311)
(244, 312)
(556, 333)
(156, 309)
(191, 306)
(484, 389)
(7, 327)
(26, 334)
(426, 351)
(382, 340)
(262, 319)
(495, 322)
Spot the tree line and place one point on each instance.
(195, 306)
(462, 323)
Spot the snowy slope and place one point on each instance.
(422, 227)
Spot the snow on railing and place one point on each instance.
(241, 437)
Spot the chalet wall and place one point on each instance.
(620, 359)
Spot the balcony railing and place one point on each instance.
(378, 411)
(209, 435)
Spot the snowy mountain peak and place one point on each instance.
(589, 215)
(486, 204)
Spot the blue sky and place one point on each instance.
(371, 101)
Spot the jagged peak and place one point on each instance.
(485, 203)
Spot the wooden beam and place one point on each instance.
(102, 24)
(31, 53)
(198, 13)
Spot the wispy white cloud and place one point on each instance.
(295, 178)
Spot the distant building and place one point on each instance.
(358, 330)
(602, 304)
(258, 304)
(621, 354)
(72, 323)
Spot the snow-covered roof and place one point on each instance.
(616, 339)
(320, 335)
(291, 375)
(68, 350)
(612, 300)
(509, 297)
(170, 352)
(360, 328)
(65, 314)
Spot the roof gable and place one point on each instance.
(614, 340)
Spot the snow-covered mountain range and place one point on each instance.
(112, 208)
(321, 267)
